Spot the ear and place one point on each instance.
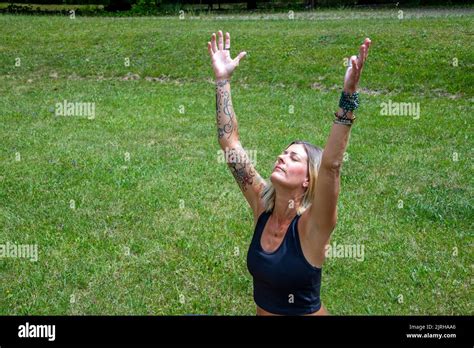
(306, 183)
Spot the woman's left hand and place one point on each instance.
(356, 63)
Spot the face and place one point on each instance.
(291, 168)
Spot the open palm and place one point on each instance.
(222, 64)
(354, 70)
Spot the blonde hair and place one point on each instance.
(314, 154)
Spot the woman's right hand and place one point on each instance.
(222, 64)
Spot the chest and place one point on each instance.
(272, 236)
(281, 264)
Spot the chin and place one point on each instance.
(277, 179)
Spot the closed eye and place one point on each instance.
(294, 156)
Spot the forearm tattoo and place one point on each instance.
(224, 111)
(241, 167)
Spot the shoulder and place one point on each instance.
(257, 212)
(309, 232)
(303, 222)
(307, 228)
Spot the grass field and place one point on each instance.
(133, 213)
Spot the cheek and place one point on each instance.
(298, 170)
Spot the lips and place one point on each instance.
(278, 167)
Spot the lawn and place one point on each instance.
(132, 210)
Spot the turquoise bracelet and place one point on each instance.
(349, 101)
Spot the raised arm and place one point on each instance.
(250, 182)
(323, 211)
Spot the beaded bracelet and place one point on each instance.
(349, 101)
(342, 119)
(344, 115)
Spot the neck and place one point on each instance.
(286, 206)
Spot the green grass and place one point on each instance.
(178, 209)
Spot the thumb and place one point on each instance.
(239, 57)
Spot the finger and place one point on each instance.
(239, 57)
(227, 41)
(209, 49)
(354, 63)
(220, 42)
(367, 42)
(213, 43)
(361, 56)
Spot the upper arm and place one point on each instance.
(249, 180)
(321, 216)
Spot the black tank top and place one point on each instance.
(284, 282)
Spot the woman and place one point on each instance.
(296, 212)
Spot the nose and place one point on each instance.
(280, 159)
